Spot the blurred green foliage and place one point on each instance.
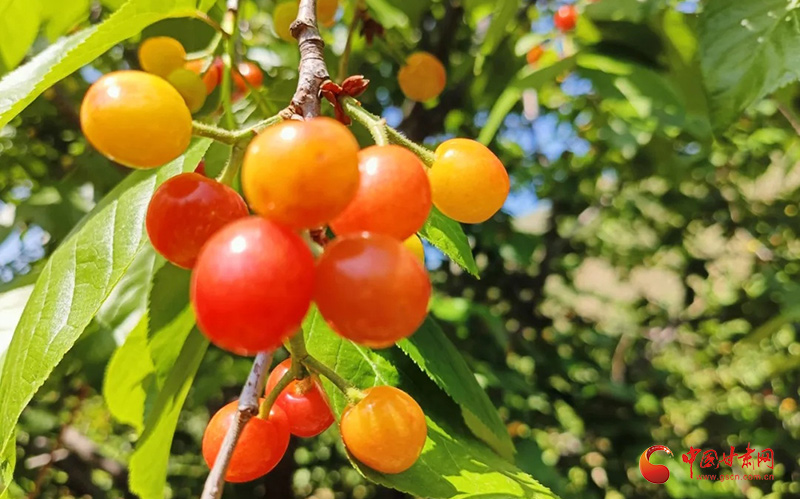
(646, 294)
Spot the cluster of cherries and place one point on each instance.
(255, 276)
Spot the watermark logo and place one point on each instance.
(654, 473)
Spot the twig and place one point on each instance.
(248, 407)
(790, 117)
(358, 13)
(313, 71)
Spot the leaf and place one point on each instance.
(148, 464)
(748, 49)
(169, 295)
(502, 17)
(447, 235)
(19, 24)
(453, 463)
(430, 349)
(127, 377)
(62, 16)
(75, 282)
(8, 460)
(526, 78)
(22, 86)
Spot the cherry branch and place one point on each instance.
(313, 71)
(248, 408)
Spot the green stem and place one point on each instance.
(231, 26)
(216, 133)
(230, 171)
(353, 394)
(211, 22)
(210, 50)
(232, 137)
(272, 396)
(370, 121)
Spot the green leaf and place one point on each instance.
(447, 235)
(148, 464)
(169, 295)
(502, 17)
(19, 25)
(526, 78)
(62, 16)
(75, 282)
(436, 355)
(453, 464)
(748, 49)
(8, 460)
(19, 88)
(127, 378)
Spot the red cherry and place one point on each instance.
(565, 18)
(303, 401)
(261, 446)
(252, 285)
(371, 289)
(186, 211)
(249, 72)
(393, 197)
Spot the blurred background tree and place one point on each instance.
(639, 287)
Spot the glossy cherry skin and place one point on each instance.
(386, 430)
(249, 72)
(186, 211)
(161, 55)
(423, 77)
(211, 77)
(394, 194)
(414, 243)
(252, 285)
(303, 401)
(136, 119)
(566, 18)
(371, 289)
(301, 173)
(468, 181)
(261, 446)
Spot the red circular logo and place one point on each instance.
(654, 473)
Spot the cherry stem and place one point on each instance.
(230, 24)
(353, 109)
(211, 22)
(317, 367)
(232, 137)
(272, 396)
(248, 407)
(358, 13)
(231, 169)
(210, 50)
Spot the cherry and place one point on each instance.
(534, 55)
(249, 72)
(136, 119)
(261, 445)
(386, 430)
(303, 401)
(186, 211)
(252, 285)
(282, 18)
(423, 77)
(371, 289)
(326, 11)
(469, 183)
(414, 244)
(565, 18)
(191, 87)
(161, 55)
(212, 75)
(301, 173)
(394, 194)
